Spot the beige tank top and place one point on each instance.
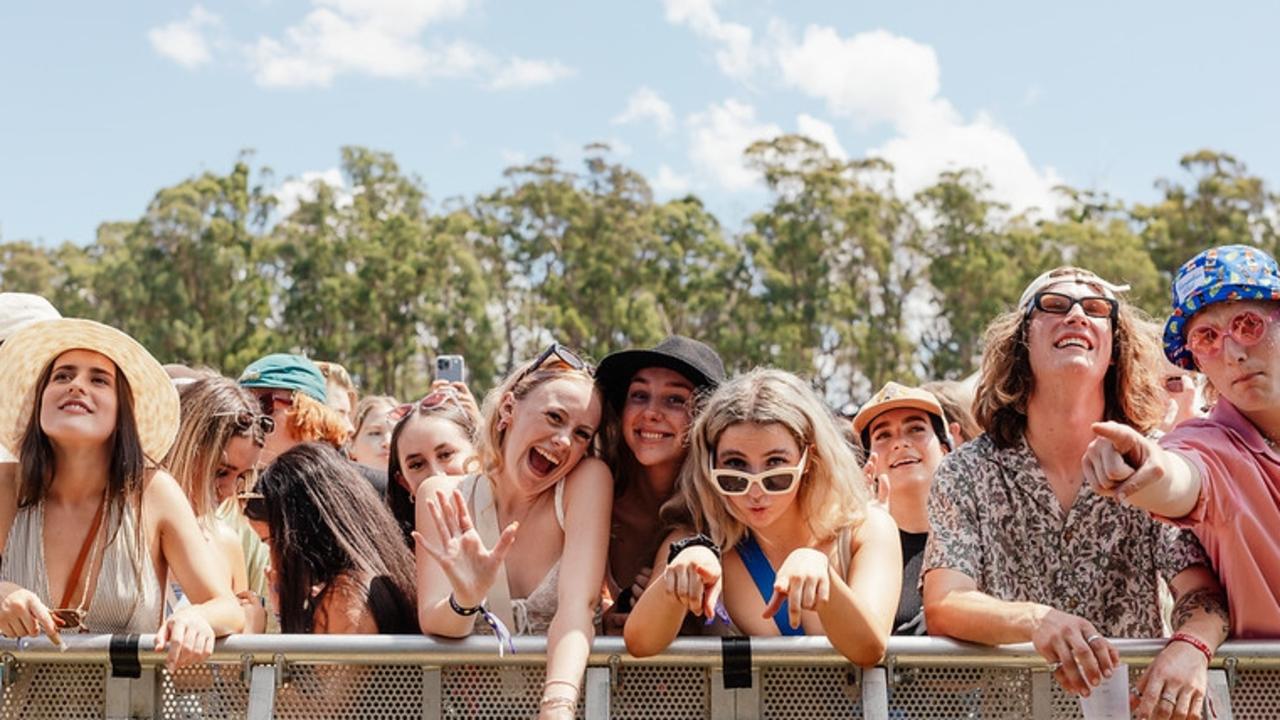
(530, 615)
(122, 601)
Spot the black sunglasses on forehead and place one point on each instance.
(561, 353)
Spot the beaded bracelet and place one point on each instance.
(1194, 642)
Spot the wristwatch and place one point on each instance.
(680, 545)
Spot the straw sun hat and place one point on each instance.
(25, 355)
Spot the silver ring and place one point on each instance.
(1171, 699)
(1089, 640)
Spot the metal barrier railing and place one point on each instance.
(380, 676)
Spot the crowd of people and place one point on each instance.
(1088, 487)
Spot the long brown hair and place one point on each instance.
(126, 469)
(399, 500)
(1131, 388)
(327, 525)
(211, 407)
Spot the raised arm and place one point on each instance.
(588, 505)
(1121, 462)
(195, 563)
(451, 558)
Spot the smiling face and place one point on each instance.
(906, 447)
(431, 445)
(548, 430)
(239, 459)
(80, 404)
(1073, 345)
(656, 416)
(371, 446)
(1246, 375)
(754, 448)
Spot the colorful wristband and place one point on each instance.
(1194, 642)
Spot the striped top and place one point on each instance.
(122, 601)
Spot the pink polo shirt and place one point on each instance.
(1237, 516)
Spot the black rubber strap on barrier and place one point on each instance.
(125, 662)
(735, 657)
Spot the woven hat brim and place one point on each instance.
(868, 414)
(25, 355)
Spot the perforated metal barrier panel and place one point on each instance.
(462, 686)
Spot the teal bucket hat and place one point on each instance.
(1221, 274)
(281, 371)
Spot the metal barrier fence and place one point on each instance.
(298, 676)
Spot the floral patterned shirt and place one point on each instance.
(995, 518)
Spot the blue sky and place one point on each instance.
(102, 104)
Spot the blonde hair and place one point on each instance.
(520, 382)
(211, 407)
(366, 407)
(833, 493)
(1131, 387)
(338, 375)
(311, 420)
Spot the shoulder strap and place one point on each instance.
(70, 590)
(485, 511)
(560, 503)
(843, 553)
(763, 574)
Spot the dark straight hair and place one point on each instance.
(326, 521)
(128, 463)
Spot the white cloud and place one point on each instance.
(874, 78)
(519, 73)
(815, 129)
(919, 156)
(719, 135)
(736, 55)
(647, 104)
(183, 41)
(669, 182)
(295, 191)
(384, 38)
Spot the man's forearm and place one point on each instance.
(1203, 612)
(978, 617)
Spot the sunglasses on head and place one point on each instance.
(431, 400)
(245, 420)
(253, 505)
(774, 481)
(1056, 303)
(1247, 328)
(561, 354)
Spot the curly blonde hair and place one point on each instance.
(833, 493)
(1131, 386)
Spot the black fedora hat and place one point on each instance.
(692, 359)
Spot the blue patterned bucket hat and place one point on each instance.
(1221, 274)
